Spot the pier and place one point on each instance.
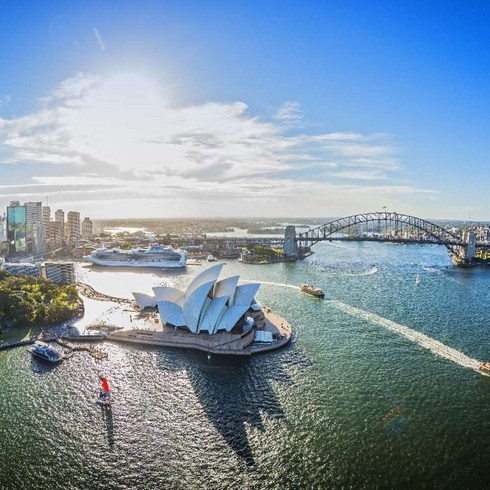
(70, 346)
(93, 351)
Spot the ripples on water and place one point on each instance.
(374, 394)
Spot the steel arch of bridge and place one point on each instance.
(434, 233)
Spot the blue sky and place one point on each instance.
(258, 108)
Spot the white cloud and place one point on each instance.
(5, 100)
(99, 39)
(122, 138)
(289, 112)
(361, 174)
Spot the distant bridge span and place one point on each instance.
(403, 229)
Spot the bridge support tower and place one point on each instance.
(469, 238)
(290, 246)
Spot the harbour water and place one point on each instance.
(380, 390)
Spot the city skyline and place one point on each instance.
(220, 109)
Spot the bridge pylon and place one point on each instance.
(290, 246)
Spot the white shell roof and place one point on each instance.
(205, 276)
(208, 305)
(213, 314)
(163, 293)
(144, 300)
(226, 287)
(171, 313)
(231, 317)
(194, 303)
(244, 295)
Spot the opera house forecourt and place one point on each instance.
(212, 315)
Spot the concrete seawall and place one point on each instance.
(221, 343)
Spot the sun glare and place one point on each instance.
(118, 118)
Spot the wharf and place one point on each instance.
(93, 351)
(13, 345)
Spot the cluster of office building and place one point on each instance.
(29, 230)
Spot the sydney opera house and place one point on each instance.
(213, 315)
(207, 306)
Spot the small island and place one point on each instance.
(260, 254)
(29, 301)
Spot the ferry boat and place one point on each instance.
(153, 256)
(312, 290)
(45, 351)
(485, 367)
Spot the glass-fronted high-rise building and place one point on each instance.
(16, 229)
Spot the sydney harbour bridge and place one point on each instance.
(375, 227)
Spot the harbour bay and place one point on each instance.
(353, 403)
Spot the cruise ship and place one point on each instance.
(153, 256)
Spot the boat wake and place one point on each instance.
(430, 269)
(436, 347)
(280, 284)
(369, 272)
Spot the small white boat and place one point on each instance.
(417, 280)
(46, 352)
(212, 258)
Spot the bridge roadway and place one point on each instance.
(371, 227)
(279, 242)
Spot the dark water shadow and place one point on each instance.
(108, 419)
(237, 393)
(42, 368)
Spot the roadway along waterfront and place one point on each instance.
(380, 389)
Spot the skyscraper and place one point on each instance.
(34, 227)
(46, 215)
(16, 228)
(59, 217)
(73, 226)
(87, 228)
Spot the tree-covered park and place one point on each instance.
(30, 301)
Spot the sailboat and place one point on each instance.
(417, 280)
(104, 392)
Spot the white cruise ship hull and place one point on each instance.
(163, 264)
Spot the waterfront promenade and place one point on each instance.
(223, 343)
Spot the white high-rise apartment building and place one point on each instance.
(59, 217)
(46, 215)
(73, 226)
(34, 227)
